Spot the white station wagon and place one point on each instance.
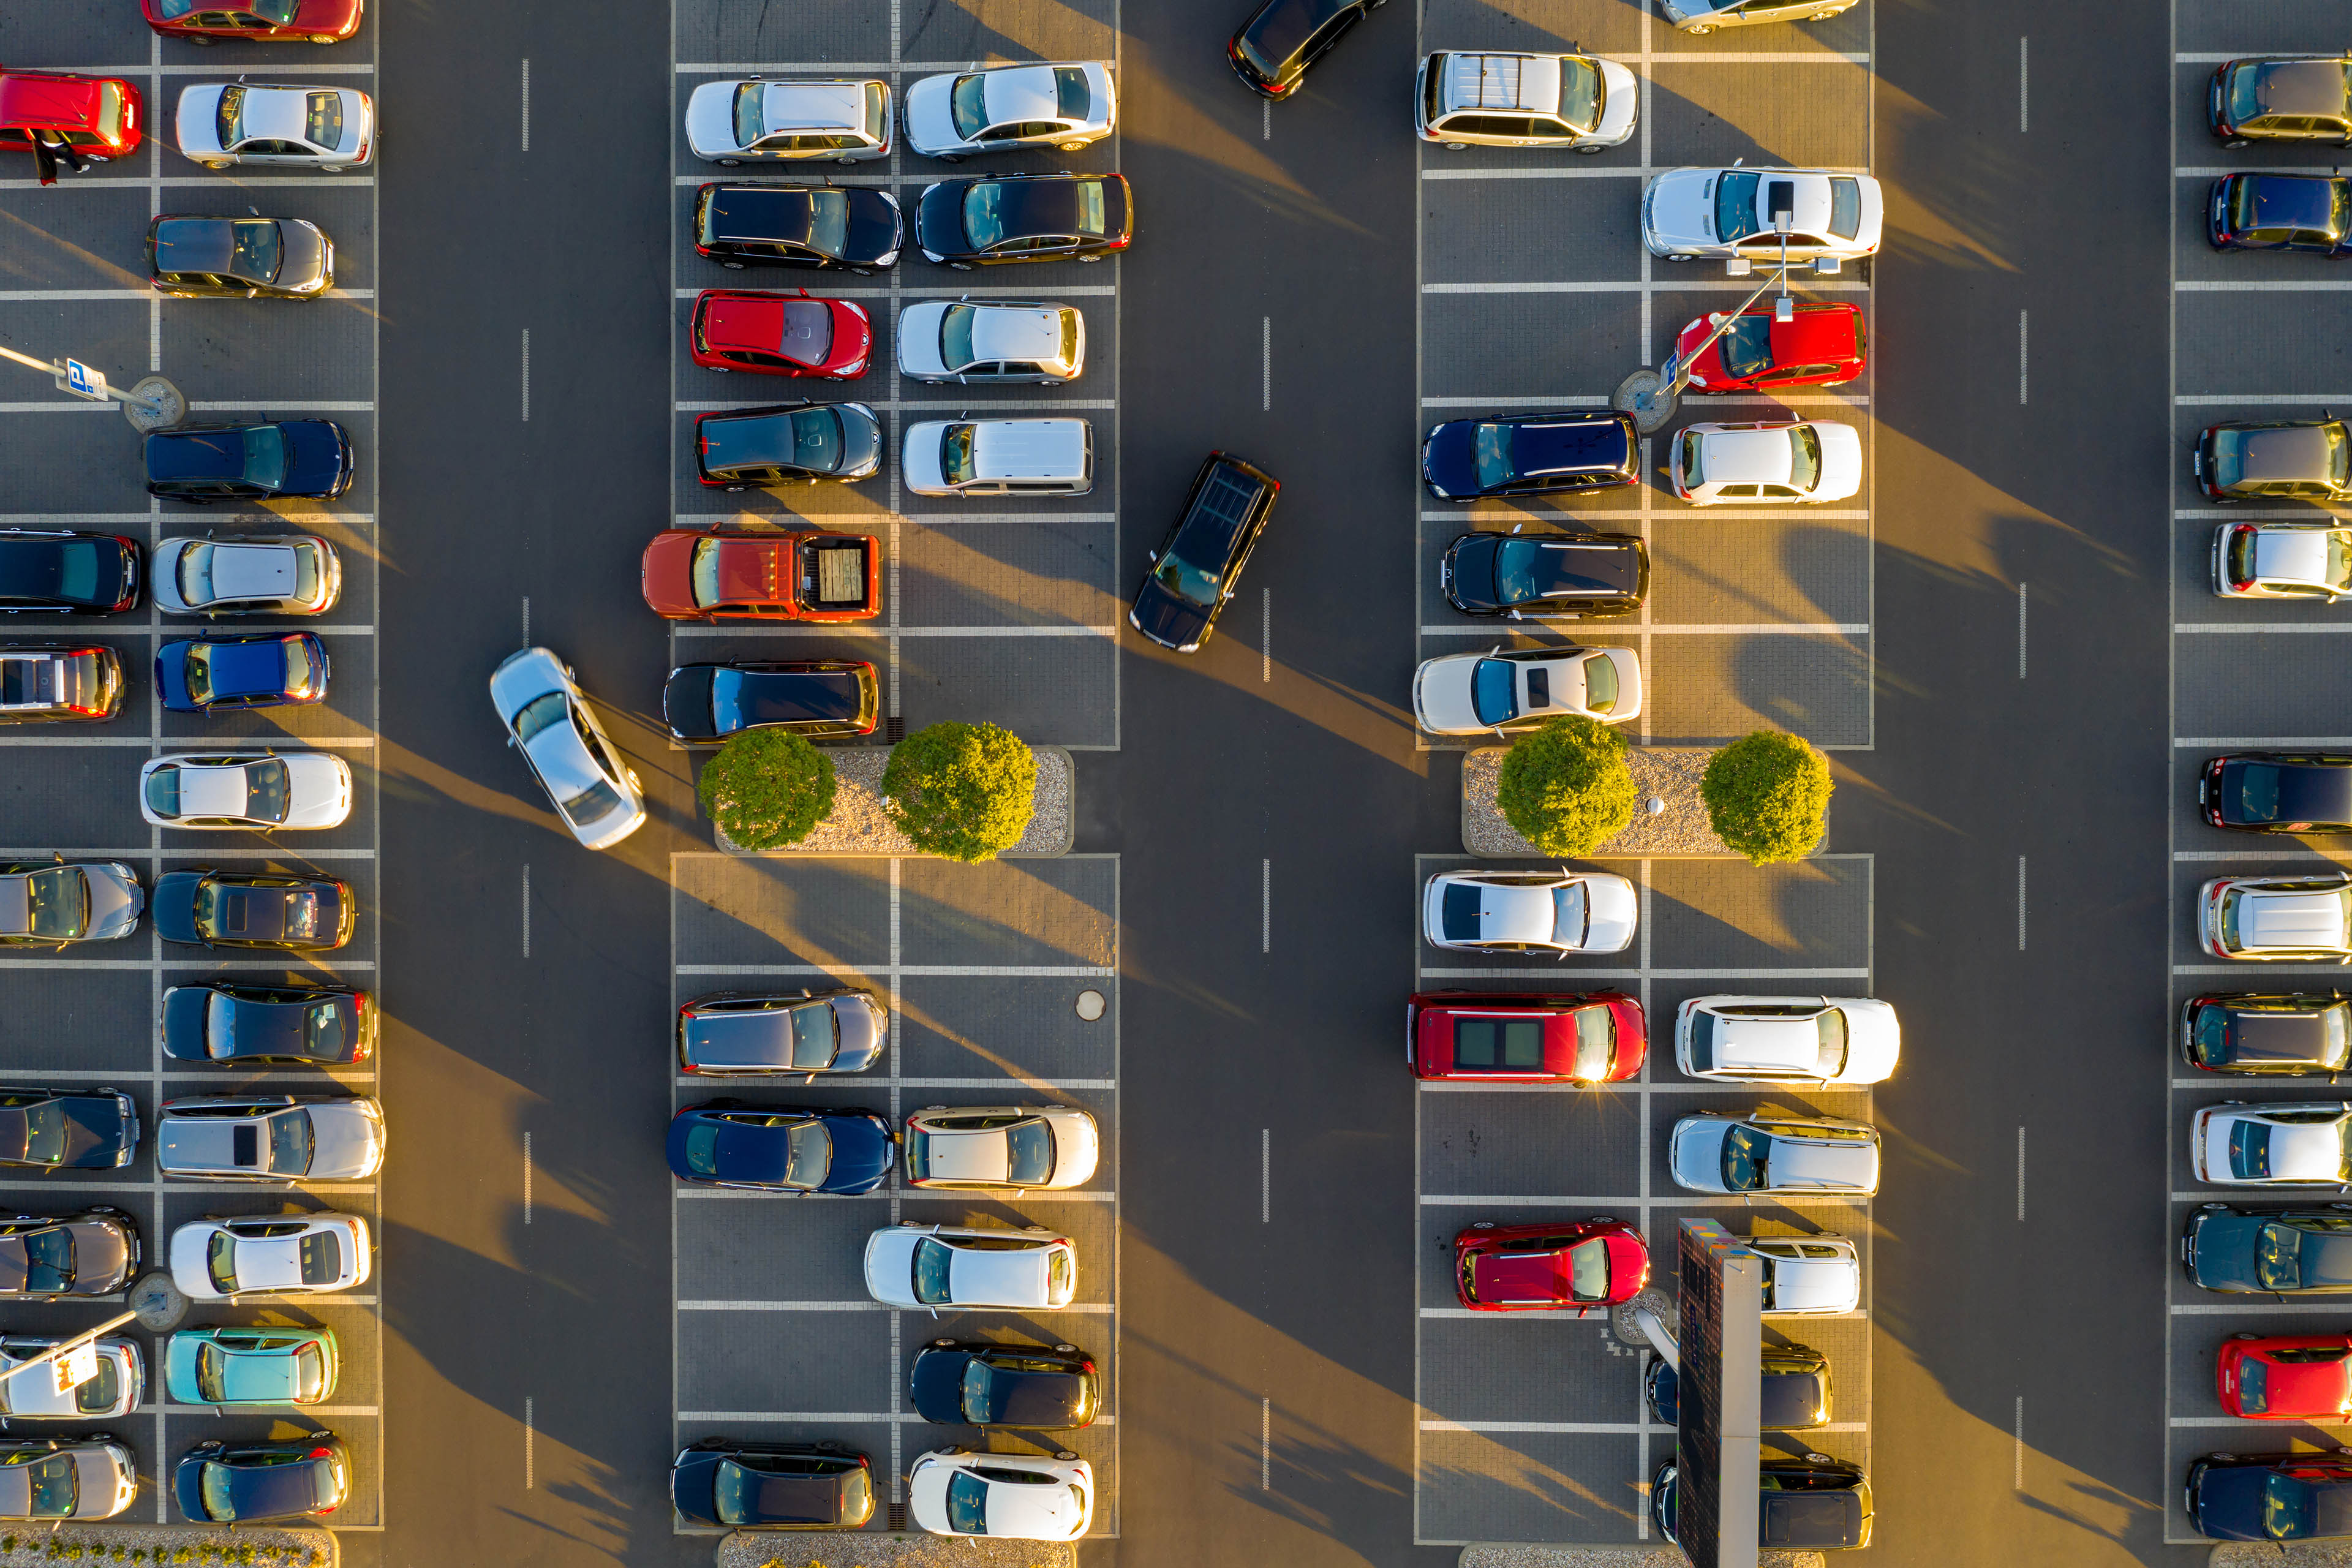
(260, 790)
(1809, 1275)
(755, 120)
(2300, 1145)
(2277, 918)
(1688, 214)
(2282, 561)
(327, 128)
(295, 576)
(1525, 100)
(1808, 461)
(994, 341)
(1007, 107)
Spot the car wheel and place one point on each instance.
(1064, 1454)
(732, 266)
(1455, 146)
(729, 162)
(215, 163)
(1590, 148)
(949, 1344)
(1090, 258)
(200, 40)
(1481, 1225)
(1068, 1349)
(1034, 1229)
(1696, 31)
(2235, 142)
(2223, 1457)
(959, 266)
(719, 369)
(2246, 1336)
(737, 489)
(950, 157)
(1818, 1459)
(1681, 259)
(1601, 1219)
(1073, 146)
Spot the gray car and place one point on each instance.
(808, 1032)
(52, 903)
(67, 1478)
(1770, 1151)
(270, 1138)
(2287, 460)
(93, 1252)
(547, 720)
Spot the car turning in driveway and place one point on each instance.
(1273, 49)
(2280, 98)
(1019, 1497)
(295, 574)
(255, 21)
(1040, 1388)
(286, 1477)
(825, 699)
(787, 443)
(1580, 101)
(53, 903)
(1689, 215)
(235, 1368)
(728, 1483)
(1808, 461)
(67, 1129)
(2310, 213)
(1819, 345)
(1518, 576)
(1558, 912)
(285, 460)
(547, 720)
(196, 257)
(2293, 459)
(1787, 1039)
(1525, 688)
(44, 683)
(1529, 454)
(2277, 792)
(989, 219)
(921, 1267)
(114, 1391)
(2292, 1145)
(1001, 1148)
(270, 1138)
(2277, 918)
(992, 341)
(2282, 561)
(2273, 1252)
(712, 574)
(756, 120)
(1554, 1267)
(223, 1256)
(234, 1023)
(330, 129)
(1505, 1037)
(55, 1479)
(268, 669)
(93, 1252)
(260, 790)
(770, 333)
(2289, 1034)
(1067, 104)
(1766, 1151)
(1197, 567)
(827, 226)
(780, 1148)
(2285, 1377)
(57, 572)
(2271, 1498)
(806, 1032)
(204, 908)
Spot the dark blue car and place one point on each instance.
(2282, 1252)
(2271, 1496)
(2282, 212)
(197, 675)
(1529, 454)
(305, 458)
(288, 1477)
(784, 1148)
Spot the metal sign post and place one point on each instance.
(152, 404)
(1650, 395)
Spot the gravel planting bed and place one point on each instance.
(863, 1549)
(1670, 774)
(860, 821)
(2287, 1554)
(1659, 1556)
(196, 1546)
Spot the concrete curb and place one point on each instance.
(859, 828)
(874, 1549)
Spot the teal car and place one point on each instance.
(244, 1367)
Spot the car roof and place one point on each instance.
(2298, 451)
(1748, 456)
(1514, 81)
(1022, 92)
(38, 100)
(1014, 332)
(1047, 203)
(2291, 201)
(812, 106)
(2269, 918)
(1554, 443)
(207, 454)
(1029, 449)
(2289, 554)
(2299, 87)
(764, 212)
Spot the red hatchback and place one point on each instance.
(2287, 1377)
(1560, 1266)
(704, 574)
(1503, 1037)
(779, 334)
(265, 21)
(1823, 345)
(90, 118)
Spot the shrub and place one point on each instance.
(964, 791)
(767, 788)
(1565, 788)
(1767, 794)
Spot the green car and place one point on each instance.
(243, 1367)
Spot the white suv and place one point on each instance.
(999, 457)
(1525, 100)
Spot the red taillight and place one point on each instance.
(321, 1453)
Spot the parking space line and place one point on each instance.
(977, 291)
(2233, 1309)
(2203, 628)
(281, 742)
(870, 630)
(919, 406)
(2254, 742)
(2262, 285)
(2288, 400)
(1649, 286)
(1551, 400)
(884, 1194)
(1759, 972)
(1696, 514)
(1700, 628)
(1677, 1200)
(832, 1417)
(782, 1307)
(2251, 971)
(931, 971)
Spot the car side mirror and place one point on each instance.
(1828, 266)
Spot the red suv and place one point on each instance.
(82, 119)
(1559, 1266)
(1505, 1037)
(264, 21)
(1822, 346)
(779, 334)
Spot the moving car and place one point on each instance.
(231, 1022)
(1795, 1389)
(114, 1391)
(1707, 16)
(547, 720)
(222, 1257)
(998, 457)
(779, 334)
(2292, 1145)
(2279, 98)
(785, 1148)
(194, 257)
(67, 1478)
(202, 906)
(57, 572)
(2291, 460)
(825, 699)
(1271, 51)
(67, 1129)
(268, 669)
(2281, 212)
(295, 574)
(1803, 461)
(1197, 567)
(1811, 1276)
(972, 1382)
(260, 790)
(1524, 100)
(2285, 1377)
(255, 21)
(754, 119)
(992, 341)
(1503, 1037)
(731, 1484)
(56, 115)
(1545, 574)
(2274, 918)
(1690, 215)
(93, 1252)
(2292, 1034)
(1556, 1266)
(1001, 1148)
(54, 904)
(1787, 1039)
(808, 1032)
(2270, 1497)
(2282, 561)
(712, 574)
(1525, 688)
(2277, 792)
(787, 443)
(1529, 454)
(44, 683)
(989, 219)
(1558, 912)
(1019, 1497)
(826, 225)
(271, 1138)
(330, 128)
(2261, 1252)
(928, 1267)
(1814, 1502)
(1768, 1151)
(249, 1368)
(1819, 345)
(218, 1482)
(284, 459)
(1067, 104)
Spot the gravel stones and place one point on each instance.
(193, 1545)
(866, 1549)
(861, 824)
(1669, 773)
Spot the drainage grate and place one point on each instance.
(894, 730)
(898, 1514)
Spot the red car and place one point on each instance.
(264, 21)
(86, 118)
(711, 575)
(1559, 1266)
(1823, 345)
(1597, 1036)
(2287, 1377)
(779, 334)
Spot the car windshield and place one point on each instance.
(220, 1262)
(264, 456)
(1746, 1154)
(218, 1484)
(1694, 459)
(289, 1143)
(751, 124)
(816, 1035)
(591, 805)
(955, 336)
(267, 787)
(983, 213)
(57, 904)
(257, 252)
(934, 1260)
(702, 1148)
(967, 1504)
(1596, 1041)
(1494, 691)
(1735, 205)
(229, 118)
(1805, 457)
(968, 105)
(1028, 1153)
(1516, 571)
(829, 222)
(1490, 455)
(1587, 1270)
(1829, 1058)
(1567, 915)
(703, 571)
(322, 1028)
(1746, 347)
(817, 439)
(212, 1367)
(956, 464)
(811, 1154)
(2246, 85)
(1186, 579)
(1601, 683)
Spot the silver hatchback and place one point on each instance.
(270, 1138)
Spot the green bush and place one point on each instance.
(1565, 788)
(767, 788)
(964, 791)
(1767, 794)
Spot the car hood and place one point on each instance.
(1441, 694)
(1611, 906)
(529, 675)
(101, 1258)
(938, 218)
(710, 118)
(1167, 618)
(2222, 1250)
(937, 1385)
(2229, 1501)
(922, 456)
(347, 1144)
(1675, 212)
(862, 1155)
(116, 899)
(1823, 1165)
(317, 457)
(183, 1023)
(875, 227)
(1077, 1149)
(1874, 1040)
(175, 906)
(1840, 474)
(664, 575)
(1468, 572)
(1445, 457)
(861, 440)
(685, 701)
(198, 117)
(305, 255)
(1695, 1154)
(1620, 99)
(861, 1025)
(930, 124)
(891, 1266)
(919, 339)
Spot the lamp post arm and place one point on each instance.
(67, 1347)
(1682, 368)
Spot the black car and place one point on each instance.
(2293, 459)
(1271, 51)
(306, 459)
(780, 1149)
(55, 571)
(218, 1021)
(2283, 1252)
(2281, 99)
(2277, 792)
(2281, 212)
(67, 1129)
(242, 909)
(970, 1382)
(1796, 1389)
(736, 1485)
(1814, 1502)
(987, 219)
(2291, 1033)
(1515, 576)
(1195, 568)
(786, 443)
(827, 226)
(822, 699)
(806, 1032)
(191, 258)
(2270, 1497)
(93, 1252)
(288, 1477)
(1529, 454)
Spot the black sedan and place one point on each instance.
(1194, 570)
(2289, 459)
(2271, 1496)
(55, 571)
(2291, 1033)
(1271, 51)
(808, 1032)
(958, 1382)
(269, 669)
(2280, 100)
(68, 1129)
(2281, 212)
(736, 1485)
(93, 1252)
(780, 1149)
(824, 226)
(288, 1478)
(191, 258)
(787, 443)
(2283, 1252)
(825, 699)
(1529, 454)
(305, 458)
(242, 909)
(2277, 792)
(1023, 217)
(220, 1021)
(1517, 576)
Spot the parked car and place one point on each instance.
(992, 341)
(927, 1266)
(202, 906)
(1516, 576)
(1558, 912)
(1767, 1151)
(57, 572)
(1011, 108)
(42, 683)
(218, 1482)
(2291, 918)
(2277, 792)
(234, 1022)
(2270, 1497)
(1551, 1266)
(1812, 1276)
(93, 1252)
(2281, 98)
(2285, 1377)
(828, 225)
(67, 1129)
(1804, 460)
(252, 1368)
(547, 720)
(1819, 345)
(2269, 1252)
(1730, 215)
(330, 129)
(1575, 100)
(825, 699)
(1197, 567)
(294, 574)
(1814, 1502)
(995, 218)
(963, 458)
(975, 1382)
(808, 1032)
(728, 1483)
(2282, 561)
(757, 120)
(67, 1478)
(114, 1391)
(1525, 688)
(224, 1257)
(271, 1138)
(195, 258)
(261, 790)
(268, 669)
(787, 443)
(2293, 459)
(1019, 1497)
(57, 115)
(771, 333)
(2309, 213)
(2291, 1145)
(54, 903)
(255, 21)
(284, 459)
(1272, 51)
(1598, 1036)
(1001, 1148)
(715, 574)
(1529, 454)
(1707, 16)
(2291, 1033)
(1794, 1389)
(785, 1148)
(1787, 1039)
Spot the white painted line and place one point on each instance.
(878, 630)
(1266, 638)
(1465, 516)
(2252, 969)
(2020, 359)
(826, 1418)
(936, 971)
(782, 1307)
(526, 374)
(2336, 1305)
(1689, 286)
(1265, 906)
(2020, 631)
(248, 405)
(1265, 1443)
(525, 106)
(864, 520)
(529, 1430)
(1266, 1175)
(215, 181)
(2267, 399)
(2020, 91)
(2263, 286)
(2017, 1446)
(1023, 1080)
(1265, 120)
(2021, 941)
(526, 620)
(153, 68)
(526, 899)
(2241, 514)
(525, 1178)
(2020, 1175)
(2268, 852)
(1679, 1200)
(682, 1191)
(1754, 58)
(1265, 365)
(2261, 743)
(1602, 628)
(1558, 400)
(1533, 970)
(1610, 1429)
(2224, 629)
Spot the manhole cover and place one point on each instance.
(1090, 1005)
(1645, 395)
(159, 1303)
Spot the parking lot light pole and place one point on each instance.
(152, 404)
(1650, 395)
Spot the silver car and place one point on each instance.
(928, 1267)
(756, 120)
(114, 1390)
(295, 576)
(54, 904)
(1819, 1274)
(52, 1478)
(988, 341)
(1525, 100)
(2282, 561)
(329, 127)
(1005, 108)
(1558, 912)
(1771, 1152)
(270, 1138)
(808, 1032)
(1525, 688)
(1707, 16)
(1734, 215)
(547, 718)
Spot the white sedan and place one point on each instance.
(992, 341)
(1787, 1039)
(1771, 1152)
(1472, 693)
(549, 720)
(2282, 561)
(928, 1267)
(1729, 215)
(1002, 1147)
(1012, 1496)
(295, 576)
(1558, 912)
(1806, 461)
(329, 127)
(1007, 107)
(2296, 1145)
(217, 1259)
(247, 789)
(115, 1390)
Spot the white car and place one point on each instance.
(1707, 16)
(295, 576)
(753, 119)
(1809, 1275)
(220, 1257)
(1804, 460)
(992, 341)
(2306, 918)
(928, 1267)
(1012, 1496)
(1727, 215)
(247, 789)
(998, 457)
(1787, 1039)
(2236, 1145)
(270, 1138)
(1001, 1148)
(547, 720)
(1557, 913)
(2282, 561)
(34, 1396)
(1472, 693)
(1525, 100)
(1770, 1152)
(328, 127)
(1066, 104)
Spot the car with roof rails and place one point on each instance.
(1018, 1497)
(43, 683)
(263, 789)
(59, 571)
(2277, 792)
(287, 575)
(81, 120)
(2284, 1034)
(1805, 461)
(720, 574)
(1733, 214)
(1507, 1037)
(967, 457)
(731, 1483)
(1529, 454)
(270, 1138)
(330, 128)
(1765, 1152)
(2310, 213)
(256, 21)
(308, 460)
(2281, 98)
(115, 1389)
(923, 1268)
(1480, 100)
(224, 1257)
(93, 1252)
(1520, 575)
(787, 443)
(57, 902)
(2290, 460)
(202, 906)
(233, 1022)
(267, 669)
(1001, 1148)
(992, 341)
(992, 219)
(979, 1382)
(793, 1149)
(218, 1482)
(2304, 919)
(1819, 345)
(1787, 1039)
(1272, 50)
(2303, 1144)
(1794, 1389)
(1503, 690)
(2283, 560)
(547, 720)
(753, 119)
(1555, 1266)
(93, 1129)
(2285, 1377)
(2270, 1498)
(1064, 104)
(766, 332)
(1705, 15)
(1558, 912)
(851, 228)
(823, 699)
(1808, 1503)
(1198, 566)
(252, 1368)
(59, 1479)
(191, 256)
(806, 1032)
(2269, 1252)
(1808, 1275)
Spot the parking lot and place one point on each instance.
(76, 283)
